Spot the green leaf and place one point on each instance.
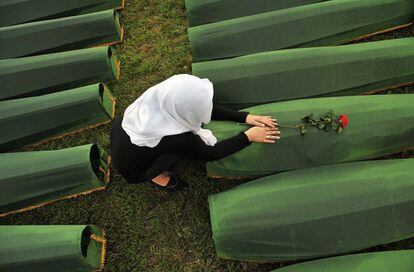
(307, 118)
(331, 113)
(321, 125)
(303, 131)
(328, 127)
(340, 130)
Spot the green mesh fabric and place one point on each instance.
(209, 11)
(315, 212)
(324, 23)
(29, 120)
(60, 34)
(401, 261)
(14, 12)
(309, 72)
(378, 125)
(31, 179)
(42, 74)
(51, 248)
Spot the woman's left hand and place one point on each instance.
(261, 121)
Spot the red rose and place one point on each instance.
(343, 120)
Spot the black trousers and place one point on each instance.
(138, 164)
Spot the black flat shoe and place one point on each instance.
(175, 184)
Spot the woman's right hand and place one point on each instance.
(263, 134)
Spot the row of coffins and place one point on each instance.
(309, 72)
(33, 119)
(14, 12)
(207, 11)
(61, 34)
(32, 179)
(401, 261)
(52, 248)
(52, 79)
(323, 206)
(378, 125)
(315, 212)
(316, 193)
(43, 74)
(318, 24)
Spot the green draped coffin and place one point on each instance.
(49, 73)
(378, 125)
(309, 72)
(51, 248)
(14, 12)
(401, 261)
(60, 34)
(30, 120)
(209, 11)
(32, 179)
(315, 212)
(324, 23)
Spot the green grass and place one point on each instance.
(149, 229)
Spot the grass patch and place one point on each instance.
(149, 229)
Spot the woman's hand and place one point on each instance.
(263, 134)
(261, 121)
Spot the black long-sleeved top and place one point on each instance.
(131, 160)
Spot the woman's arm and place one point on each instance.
(206, 153)
(192, 145)
(221, 113)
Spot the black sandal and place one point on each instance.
(175, 184)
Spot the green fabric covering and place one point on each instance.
(399, 261)
(209, 11)
(29, 120)
(44, 74)
(14, 12)
(31, 179)
(51, 248)
(325, 23)
(378, 125)
(315, 212)
(60, 34)
(309, 72)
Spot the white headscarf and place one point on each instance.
(177, 105)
